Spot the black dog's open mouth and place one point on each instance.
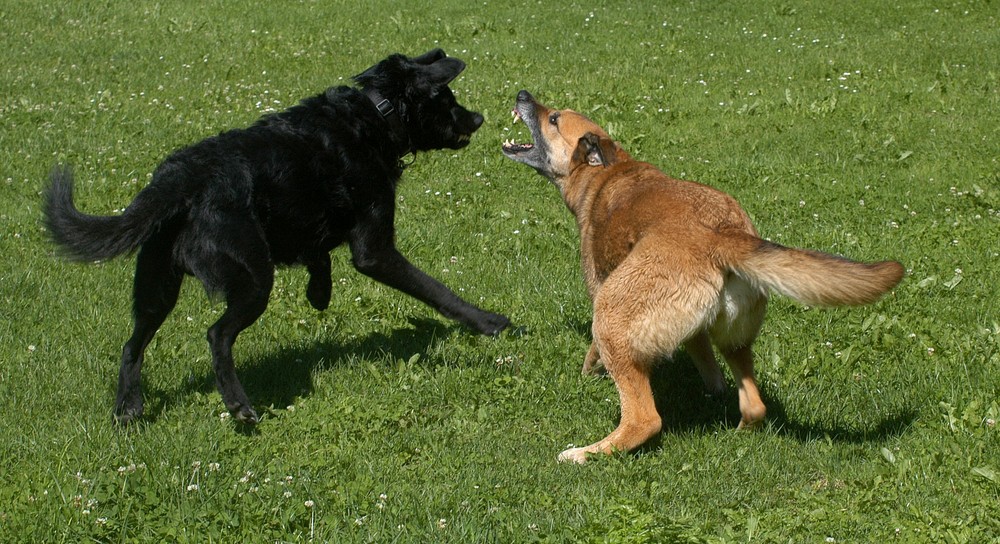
(459, 140)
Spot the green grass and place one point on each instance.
(861, 128)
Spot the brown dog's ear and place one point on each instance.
(594, 151)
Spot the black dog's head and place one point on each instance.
(418, 90)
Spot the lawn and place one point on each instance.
(860, 128)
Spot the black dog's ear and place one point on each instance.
(594, 151)
(430, 57)
(443, 71)
(428, 72)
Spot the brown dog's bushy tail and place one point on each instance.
(86, 237)
(813, 277)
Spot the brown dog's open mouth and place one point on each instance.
(513, 148)
(510, 147)
(534, 152)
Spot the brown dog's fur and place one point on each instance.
(672, 263)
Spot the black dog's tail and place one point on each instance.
(86, 237)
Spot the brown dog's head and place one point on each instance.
(555, 137)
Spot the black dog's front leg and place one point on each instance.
(320, 284)
(391, 268)
(375, 256)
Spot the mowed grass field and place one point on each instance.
(867, 129)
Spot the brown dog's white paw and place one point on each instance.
(574, 455)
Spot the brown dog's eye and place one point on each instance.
(554, 118)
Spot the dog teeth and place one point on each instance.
(517, 116)
(511, 145)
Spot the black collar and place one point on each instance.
(391, 116)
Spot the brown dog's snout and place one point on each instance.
(525, 96)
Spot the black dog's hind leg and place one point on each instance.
(320, 284)
(375, 255)
(244, 305)
(156, 286)
(246, 284)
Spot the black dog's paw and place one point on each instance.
(126, 419)
(245, 415)
(490, 323)
(126, 413)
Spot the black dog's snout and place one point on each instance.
(477, 121)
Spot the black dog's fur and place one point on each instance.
(286, 190)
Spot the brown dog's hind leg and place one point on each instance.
(699, 347)
(640, 420)
(752, 409)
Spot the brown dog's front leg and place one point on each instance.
(592, 364)
(640, 420)
(699, 347)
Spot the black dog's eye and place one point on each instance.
(554, 118)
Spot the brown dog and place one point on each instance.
(672, 263)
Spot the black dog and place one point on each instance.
(287, 190)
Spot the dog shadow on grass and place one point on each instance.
(685, 408)
(277, 378)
